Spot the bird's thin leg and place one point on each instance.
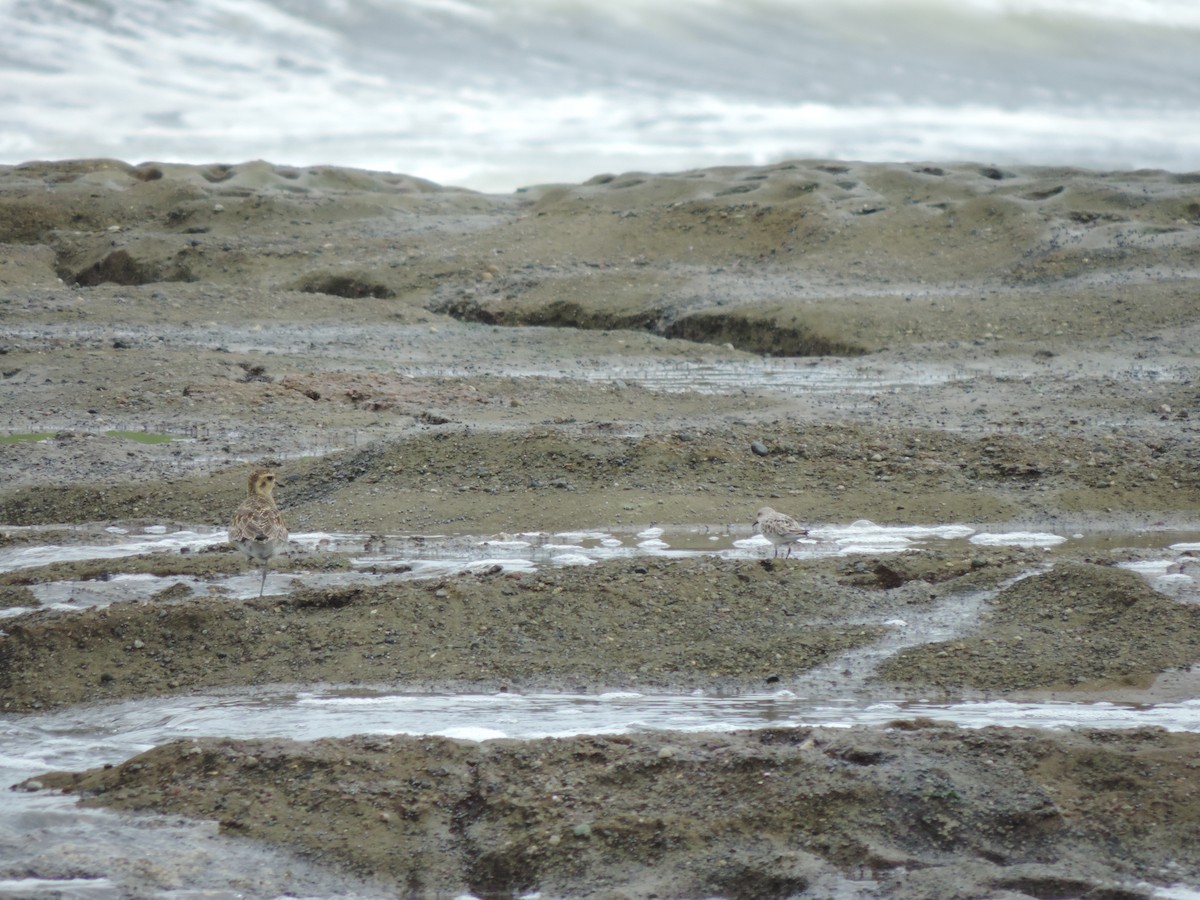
(262, 586)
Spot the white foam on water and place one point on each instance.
(1171, 892)
(1177, 578)
(1017, 539)
(578, 537)
(872, 549)
(560, 91)
(653, 544)
(90, 736)
(59, 887)
(73, 595)
(1171, 581)
(1150, 568)
(14, 558)
(377, 559)
(328, 540)
(754, 542)
(866, 537)
(383, 700)
(573, 559)
(381, 558)
(471, 733)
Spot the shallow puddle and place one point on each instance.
(376, 559)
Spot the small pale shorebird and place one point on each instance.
(778, 528)
(257, 529)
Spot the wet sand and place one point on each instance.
(901, 343)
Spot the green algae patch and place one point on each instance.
(144, 437)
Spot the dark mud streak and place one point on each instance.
(758, 336)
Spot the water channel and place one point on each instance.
(49, 847)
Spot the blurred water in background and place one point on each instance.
(495, 94)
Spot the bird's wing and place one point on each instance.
(257, 523)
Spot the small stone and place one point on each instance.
(758, 448)
(138, 645)
(583, 830)
(31, 785)
(666, 753)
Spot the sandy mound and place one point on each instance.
(918, 811)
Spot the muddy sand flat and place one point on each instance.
(1005, 349)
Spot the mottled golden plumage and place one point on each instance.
(257, 528)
